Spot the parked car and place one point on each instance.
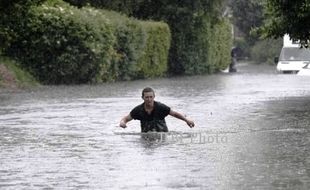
(292, 57)
(305, 71)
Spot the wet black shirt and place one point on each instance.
(154, 121)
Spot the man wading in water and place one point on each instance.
(152, 114)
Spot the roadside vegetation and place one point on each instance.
(62, 43)
(287, 17)
(248, 16)
(12, 76)
(262, 24)
(201, 37)
(86, 41)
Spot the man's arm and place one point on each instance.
(125, 120)
(175, 114)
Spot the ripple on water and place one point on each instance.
(65, 137)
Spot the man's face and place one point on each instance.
(148, 98)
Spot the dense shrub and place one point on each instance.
(141, 48)
(220, 46)
(264, 51)
(204, 49)
(197, 40)
(11, 13)
(62, 44)
(153, 61)
(191, 23)
(130, 41)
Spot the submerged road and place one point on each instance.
(252, 132)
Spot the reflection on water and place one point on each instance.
(252, 133)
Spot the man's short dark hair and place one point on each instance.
(147, 89)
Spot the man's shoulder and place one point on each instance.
(138, 107)
(159, 104)
(136, 112)
(162, 109)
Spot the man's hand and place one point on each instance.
(125, 119)
(122, 124)
(190, 123)
(175, 114)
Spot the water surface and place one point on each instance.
(252, 132)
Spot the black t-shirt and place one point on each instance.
(154, 121)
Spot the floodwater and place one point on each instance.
(252, 132)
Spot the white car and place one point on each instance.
(293, 59)
(305, 71)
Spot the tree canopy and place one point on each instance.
(156, 9)
(200, 36)
(288, 17)
(247, 15)
(192, 23)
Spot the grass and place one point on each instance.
(21, 77)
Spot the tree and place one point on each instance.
(288, 17)
(189, 44)
(190, 22)
(12, 14)
(247, 15)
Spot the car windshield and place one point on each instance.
(295, 54)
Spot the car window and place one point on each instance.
(295, 54)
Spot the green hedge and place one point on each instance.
(192, 24)
(153, 61)
(11, 13)
(61, 44)
(264, 51)
(130, 41)
(204, 49)
(220, 46)
(141, 48)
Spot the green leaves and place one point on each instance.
(141, 48)
(154, 57)
(62, 44)
(247, 15)
(288, 17)
(188, 53)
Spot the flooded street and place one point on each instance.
(252, 132)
